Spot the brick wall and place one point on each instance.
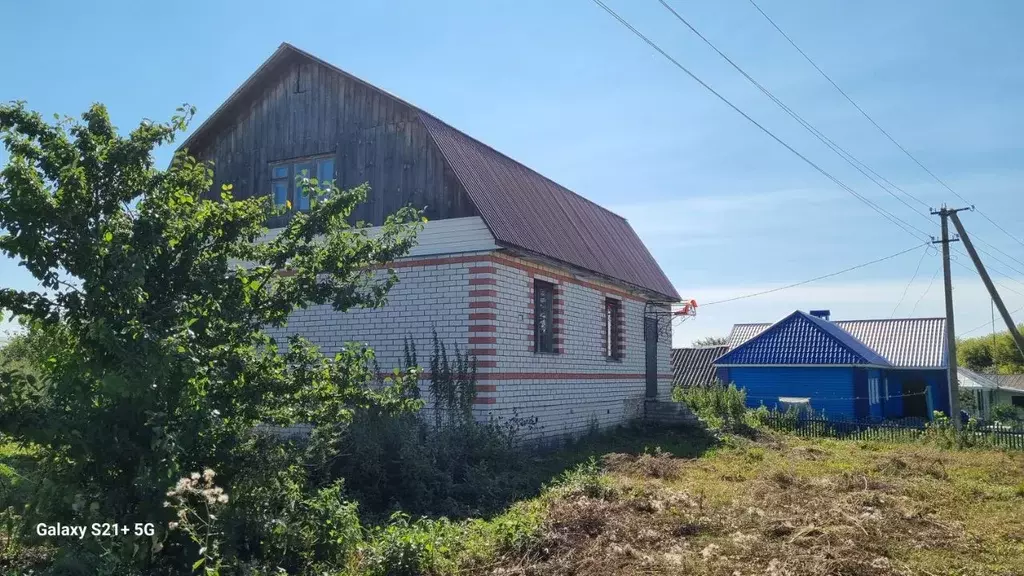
(484, 303)
(578, 384)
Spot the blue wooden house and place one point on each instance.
(850, 369)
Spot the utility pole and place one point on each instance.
(954, 388)
(988, 283)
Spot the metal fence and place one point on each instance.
(992, 435)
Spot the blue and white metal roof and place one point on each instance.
(802, 339)
(903, 342)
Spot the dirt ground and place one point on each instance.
(782, 506)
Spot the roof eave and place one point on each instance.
(653, 294)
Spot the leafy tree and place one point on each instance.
(994, 353)
(154, 302)
(710, 341)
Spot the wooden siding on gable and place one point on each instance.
(307, 109)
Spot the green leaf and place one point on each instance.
(197, 564)
(108, 236)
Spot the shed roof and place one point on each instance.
(695, 366)
(1009, 381)
(522, 208)
(803, 339)
(903, 342)
(970, 379)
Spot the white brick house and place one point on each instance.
(529, 277)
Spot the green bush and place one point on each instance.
(718, 404)
(1008, 414)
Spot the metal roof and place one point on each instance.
(1009, 381)
(695, 366)
(522, 208)
(803, 339)
(970, 379)
(526, 210)
(904, 342)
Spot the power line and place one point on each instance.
(912, 278)
(875, 124)
(926, 290)
(839, 150)
(976, 328)
(887, 215)
(831, 144)
(1003, 286)
(794, 285)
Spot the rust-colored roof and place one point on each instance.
(522, 208)
(526, 210)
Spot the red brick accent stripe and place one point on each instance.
(483, 315)
(483, 352)
(483, 270)
(483, 304)
(483, 340)
(483, 328)
(483, 281)
(485, 400)
(486, 387)
(483, 293)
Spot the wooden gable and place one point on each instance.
(295, 107)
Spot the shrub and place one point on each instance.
(409, 548)
(445, 465)
(1008, 414)
(718, 404)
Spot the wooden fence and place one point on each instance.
(994, 435)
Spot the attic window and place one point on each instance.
(285, 178)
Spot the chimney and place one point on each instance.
(823, 314)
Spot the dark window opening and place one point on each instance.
(1017, 401)
(543, 316)
(613, 328)
(286, 180)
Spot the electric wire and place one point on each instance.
(912, 278)
(850, 159)
(815, 279)
(884, 213)
(875, 124)
(926, 290)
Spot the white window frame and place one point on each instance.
(873, 390)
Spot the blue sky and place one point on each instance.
(565, 89)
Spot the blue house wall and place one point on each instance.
(830, 389)
(936, 381)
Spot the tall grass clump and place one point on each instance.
(720, 405)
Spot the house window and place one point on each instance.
(1017, 401)
(613, 328)
(873, 390)
(543, 316)
(284, 176)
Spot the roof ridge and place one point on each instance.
(827, 325)
(524, 165)
(891, 319)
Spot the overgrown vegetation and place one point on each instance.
(155, 365)
(718, 404)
